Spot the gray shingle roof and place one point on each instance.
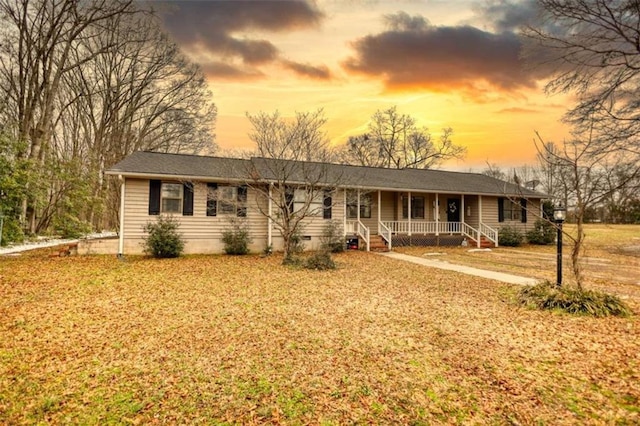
(152, 164)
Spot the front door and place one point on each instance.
(453, 210)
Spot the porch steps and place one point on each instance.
(484, 243)
(377, 243)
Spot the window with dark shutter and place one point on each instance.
(326, 204)
(242, 201)
(187, 200)
(289, 198)
(212, 199)
(523, 214)
(154, 196)
(500, 209)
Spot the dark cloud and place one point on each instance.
(211, 25)
(415, 54)
(306, 70)
(507, 15)
(221, 70)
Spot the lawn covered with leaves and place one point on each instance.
(242, 340)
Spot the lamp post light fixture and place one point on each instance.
(559, 216)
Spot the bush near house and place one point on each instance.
(332, 238)
(510, 236)
(236, 239)
(163, 240)
(320, 261)
(543, 233)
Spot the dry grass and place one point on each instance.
(611, 259)
(242, 340)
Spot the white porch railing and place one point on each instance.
(385, 232)
(422, 227)
(490, 233)
(357, 227)
(470, 232)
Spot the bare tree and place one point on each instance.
(300, 138)
(591, 48)
(395, 141)
(38, 49)
(87, 83)
(292, 190)
(586, 173)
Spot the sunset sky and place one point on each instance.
(446, 63)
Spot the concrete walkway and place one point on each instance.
(498, 276)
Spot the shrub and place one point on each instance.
(163, 239)
(543, 233)
(69, 226)
(510, 236)
(573, 300)
(11, 231)
(236, 239)
(332, 238)
(320, 261)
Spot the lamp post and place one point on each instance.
(559, 216)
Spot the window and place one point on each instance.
(226, 199)
(302, 197)
(171, 198)
(327, 202)
(509, 210)
(352, 205)
(417, 207)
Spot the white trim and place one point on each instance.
(121, 236)
(437, 213)
(379, 210)
(409, 211)
(344, 213)
(269, 220)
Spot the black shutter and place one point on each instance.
(187, 199)
(500, 209)
(212, 202)
(523, 205)
(242, 201)
(289, 199)
(326, 203)
(155, 186)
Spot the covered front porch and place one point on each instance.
(389, 218)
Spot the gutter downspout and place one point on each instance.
(121, 236)
(269, 220)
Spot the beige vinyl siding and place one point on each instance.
(490, 214)
(471, 203)
(313, 226)
(202, 233)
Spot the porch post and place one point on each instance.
(344, 212)
(121, 230)
(358, 214)
(479, 218)
(379, 209)
(462, 208)
(437, 214)
(269, 220)
(409, 211)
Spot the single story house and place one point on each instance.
(374, 207)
